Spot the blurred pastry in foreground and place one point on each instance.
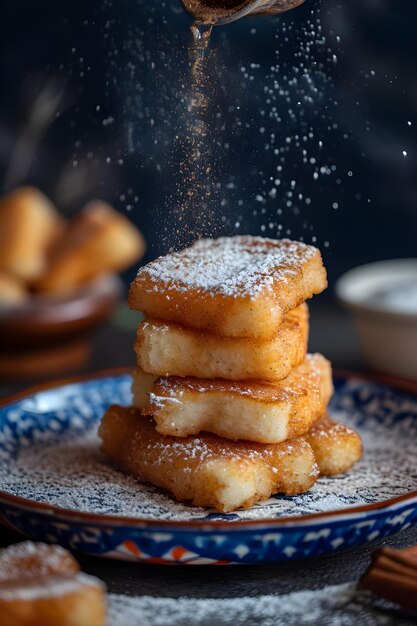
(29, 225)
(252, 410)
(41, 585)
(232, 286)
(28, 560)
(206, 470)
(97, 241)
(210, 471)
(167, 349)
(12, 290)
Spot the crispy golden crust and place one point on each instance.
(167, 349)
(234, 287)
(227, 475)
(67, 601)
(206, 470)
(98, 240)
(262, 412)
(29, 225)
(336, 446)
(40, 585)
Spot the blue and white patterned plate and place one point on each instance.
(56, 486)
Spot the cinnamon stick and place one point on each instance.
(393, 587)
(393, 575)
(407, 556)
(389, 565)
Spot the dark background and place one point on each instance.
(93, 95)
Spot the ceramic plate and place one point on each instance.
(56, 486)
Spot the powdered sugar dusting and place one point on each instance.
(49, 587)
(240, 266)
(31, 560)
(338, 605)
(73, 474)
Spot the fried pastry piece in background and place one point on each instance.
(41, 585)
(336, 446)
(97, 241)
(252, 410)
(29, 226)
(206, 470)
(167, 349)
(12, 290)
(233, 286)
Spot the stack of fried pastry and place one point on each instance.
(228, 406)
(41, 585)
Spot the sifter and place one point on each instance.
(225, 11)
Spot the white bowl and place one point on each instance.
(383, 298)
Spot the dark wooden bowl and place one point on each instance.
(49, 334)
